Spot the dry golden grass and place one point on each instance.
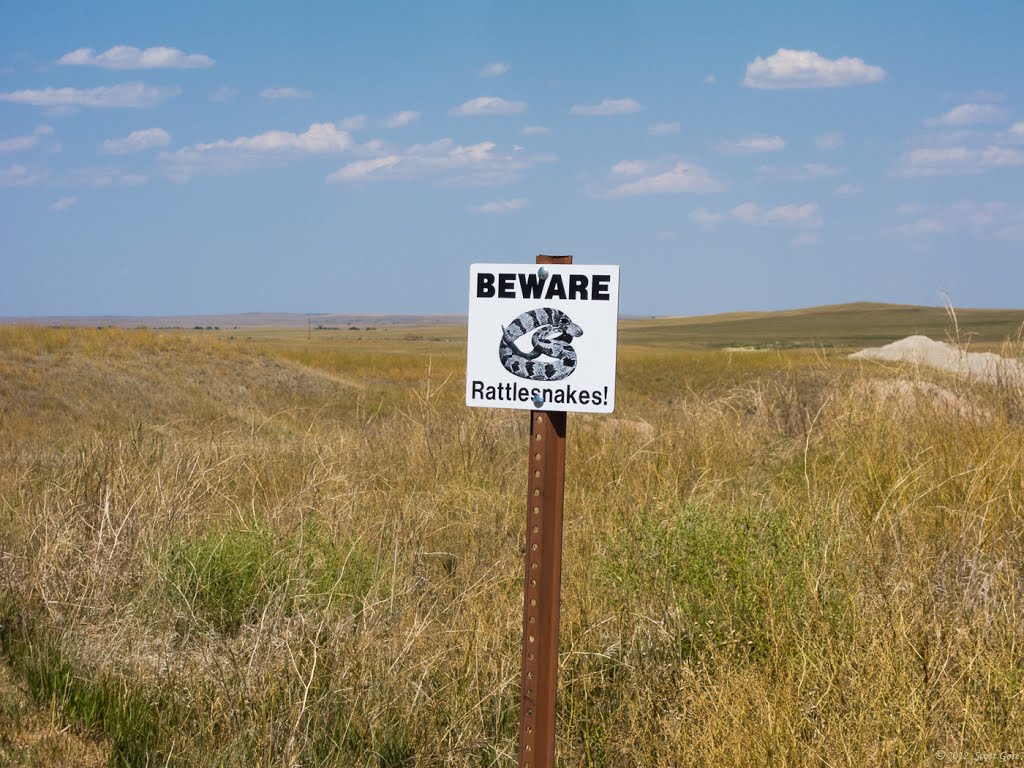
(270, 552)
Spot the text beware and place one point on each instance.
(530, 285)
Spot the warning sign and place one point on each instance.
(542, 337)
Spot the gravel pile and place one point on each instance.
(920, 350)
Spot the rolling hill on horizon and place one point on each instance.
(850, 324)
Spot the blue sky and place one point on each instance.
(357, 157)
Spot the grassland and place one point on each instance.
(302, 549)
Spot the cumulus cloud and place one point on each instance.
(137, 141)
(481, 163)
(130, 57)
(18, 175)
(787, 68)
(364, 169)
(405, 117)
(806, 240)
(790, 215)
(958, 160)
(827, 142)
(535, 130)
(680, 178)
(353, 123)
(489, 105)
(245, 151)
(495, 69)
(283, 94)
(63, 203)
(663, 129)
(606, 107)
(1017, 129)
(707, 219)
(753, 144)
(106, 177)
(126, 95)
(18, 143)
(629, 168)
(970, 114)
(501, 206)
(222, 94)
(804, 172)
(994, 219)
(849, 189)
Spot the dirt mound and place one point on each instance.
(920, 350)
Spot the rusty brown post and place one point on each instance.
(543, 580)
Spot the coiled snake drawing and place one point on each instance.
(552, 332)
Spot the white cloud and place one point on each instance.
(753, 144)
(788, 68)
(629, 168)
(709, 79)
(992, 219)
(20, 176)
(405, 117)
(681, 177)
(127, 95)
(130, 57)
(43, 130)
(246, 151)
(353, 123)
(663, 129)
(916, 228)
(489, 105)
(849, 189)
(364, 169)
(501, 206)
(970, 114)
(827, 142)
(1017, 129)
(958, 160)
(137, 141)
(806, 240)
(805, 172)
(606, 107)
(791, 215)
(224, 93)
(707, 219)
(18, 143)
(106, 177)
(282, 94)
(535, 130)
(63, 203)
(480, 163)
(495, 69)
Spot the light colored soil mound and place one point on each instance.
(920, 350)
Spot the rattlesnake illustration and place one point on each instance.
(552, 332)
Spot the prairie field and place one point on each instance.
(283, 548)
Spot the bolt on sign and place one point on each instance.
(542, 337)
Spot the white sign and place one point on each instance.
(542, 337)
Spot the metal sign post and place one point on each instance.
(543, 337)
(543, 581)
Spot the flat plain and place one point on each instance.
(290, 546)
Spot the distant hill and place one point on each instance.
(241, 320)
(839, 325)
